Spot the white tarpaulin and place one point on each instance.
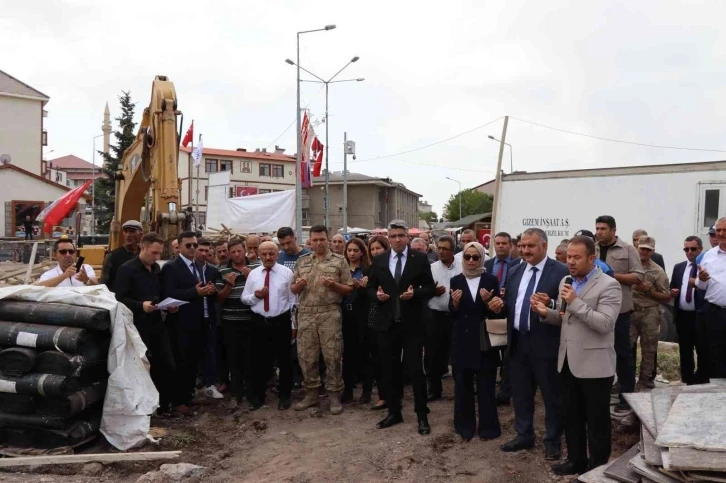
(250, 214)
(131, 397)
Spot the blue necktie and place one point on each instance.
(524, 314)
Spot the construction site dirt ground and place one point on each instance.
(312, 446)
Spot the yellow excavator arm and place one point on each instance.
(148, 175)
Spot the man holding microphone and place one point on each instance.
(587, 310)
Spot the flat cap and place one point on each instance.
(398, 224)
(132, 224)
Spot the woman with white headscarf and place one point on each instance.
(472, 355)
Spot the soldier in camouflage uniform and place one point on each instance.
(645, 322)
(321, 279)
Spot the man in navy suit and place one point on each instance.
(399, 282)
(184, 279)
(687, 301)
(533, 345)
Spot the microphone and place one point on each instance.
(568, 281)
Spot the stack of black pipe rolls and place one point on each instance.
(52, 373)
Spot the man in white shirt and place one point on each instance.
(268, 294)
(438, 330)
(64, 274)
(712, 279)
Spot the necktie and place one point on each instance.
(195, 271)
(399, 267)
(500, 272)
(267, 286)
(689, 290)
(524, 314)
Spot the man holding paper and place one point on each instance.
(138, 287)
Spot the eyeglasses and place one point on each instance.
(191, 245)
(468, 257)
(690, 249)
(67, 251)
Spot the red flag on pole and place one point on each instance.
(318, 156)
(60, 208)
(188, 137)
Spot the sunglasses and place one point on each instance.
(191, 245)
(67, 251)
(690, 249)
(476, 258)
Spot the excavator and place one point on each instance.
(147, 182)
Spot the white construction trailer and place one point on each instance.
(669, 201)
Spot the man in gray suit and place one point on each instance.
(586, 358)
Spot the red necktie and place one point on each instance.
(500, 272)
(267, 286)
(689, 290)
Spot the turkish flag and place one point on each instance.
(60, 208)
(188, 137)
(318, 155)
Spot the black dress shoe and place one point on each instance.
(552, 453)
(376, 407)
(432, 396)
(423, 427)
(283, 404)
(517, 444)
(568, 468)
(391, 420)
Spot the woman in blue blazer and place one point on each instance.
(472, 355)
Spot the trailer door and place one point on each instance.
(711, 206)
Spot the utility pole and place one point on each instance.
(498, 184)
(345, 183)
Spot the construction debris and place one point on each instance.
(682, 438)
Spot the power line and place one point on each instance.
(295, 120)
(419, 164)
(617, 140)
(433, 144)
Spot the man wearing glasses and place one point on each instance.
(64, 274)
(438, 332)
(686, 302)
(132, 239)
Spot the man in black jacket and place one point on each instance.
(687, 300)
(184, 279)
(132, 230)
(399, 281)
(138, 287)
(533, 345)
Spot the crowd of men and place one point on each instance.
(339, 312)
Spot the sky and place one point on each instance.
(648, 72)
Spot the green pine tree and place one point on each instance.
(106, 187)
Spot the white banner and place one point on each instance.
(197, 153)
(250, 214)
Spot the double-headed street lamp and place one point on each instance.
(327, 147)
(511, 163)
(455, 181)
(298, 162)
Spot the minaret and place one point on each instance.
(106, 128)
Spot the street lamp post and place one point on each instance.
(455, 181)
(298, 161)
(93, 186)
(327, 120)
(511, 163)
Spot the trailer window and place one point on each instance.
(710, 212)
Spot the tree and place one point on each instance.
(472, 203)
(429, 217)
(105, 187)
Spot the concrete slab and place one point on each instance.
(651, 452)
(639, 465)
(689, 459)
(597, 476)
(696, 421)
(663, 399)
(642, 405)
(620, 468)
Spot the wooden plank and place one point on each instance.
(620, 469)
(88, 458)
(31, 262)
